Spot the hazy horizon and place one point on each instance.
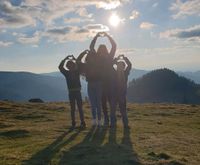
(192, 71)
(35, 35)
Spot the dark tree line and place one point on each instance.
(163, 85)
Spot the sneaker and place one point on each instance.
(83, 125)
(72, 128)
(127, 127)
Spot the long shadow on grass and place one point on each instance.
(15, 134)
(45, 156)
(95, 149)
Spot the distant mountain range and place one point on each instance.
(163, 85)
(194, 76)
(137, 73)
(22, 86)
(134, 74)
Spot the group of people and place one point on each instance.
(106, 77)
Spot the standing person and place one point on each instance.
(105, 59)
(91, 68)
(119, 88)
(72, 76)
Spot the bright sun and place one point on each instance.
(114, 20)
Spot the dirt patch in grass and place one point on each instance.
(159, 156)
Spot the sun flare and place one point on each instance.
(114, 20)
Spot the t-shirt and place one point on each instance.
(119, 81)
(72, 79)
(93, 69)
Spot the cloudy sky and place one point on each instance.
(36, 34)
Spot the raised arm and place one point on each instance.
(61, 66)
(81, 65)
(113, 44)
(115, 61)
(129, 65)
(92, 45)
(78, 60)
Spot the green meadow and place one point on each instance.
(38, 134)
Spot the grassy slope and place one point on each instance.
(159, 134)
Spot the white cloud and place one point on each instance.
(3, 31)
(95, 28)
(134, 14)
(39, 12)
(77, 20)
(182, 9)
(108, 5)
(34, 39)
(155, 4)
(14, 17)
(74, 33)
(189, 34)
(14, 33)
(83, 13)
(61, 34)
(33, 2)
(5, 43)
(126, 50)
(30, 11)
(147, 25)
(35, 46)
(50, 10)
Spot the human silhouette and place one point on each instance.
(126, 140)
(72, 75)
(105, 58)
(119, 88)
(91, 70)
(102, 145)
(45, 156)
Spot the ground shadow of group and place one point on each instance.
(99, 146)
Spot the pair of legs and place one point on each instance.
(119, 99)
(106, 99)
(75, 98)
(95, 93)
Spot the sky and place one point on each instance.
(35, 35)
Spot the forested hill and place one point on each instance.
(163, 85)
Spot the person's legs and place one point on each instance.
(123, 111)
(80, 107)
(113, 105)
(109, 100)
(92, 98)
(73, 107)
(113, 111)
(104, 106)
(98, 101)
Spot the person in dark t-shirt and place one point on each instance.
(119, 88)
(72, 75)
